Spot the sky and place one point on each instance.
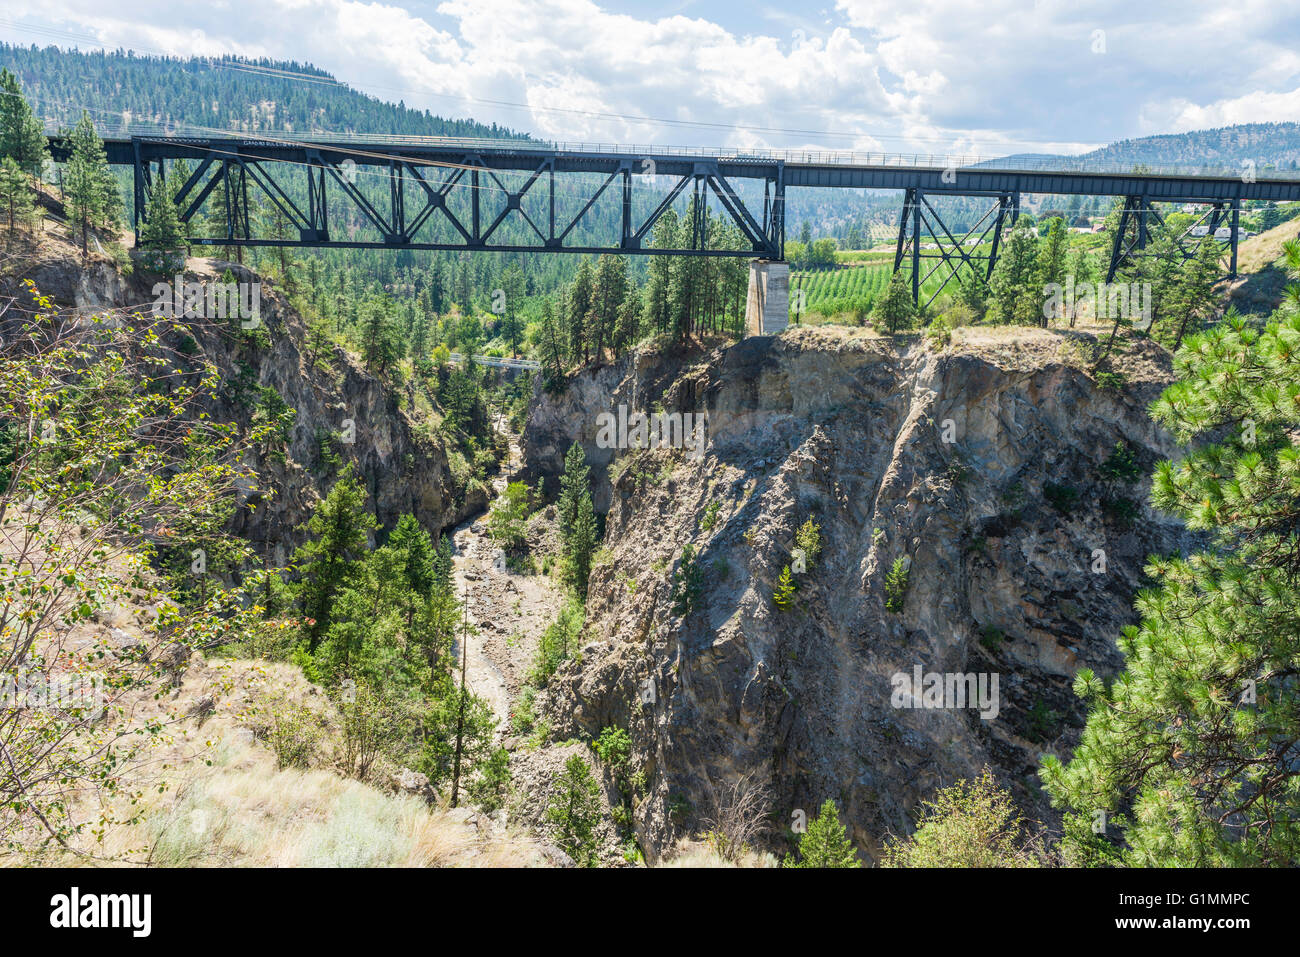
(930, 76)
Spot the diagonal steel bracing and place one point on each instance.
(1139, 216)
(924, 238)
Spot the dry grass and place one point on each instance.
(692, 854)
(241, 811)
(227, 804)
(1259, 290)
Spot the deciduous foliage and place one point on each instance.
(970, 824)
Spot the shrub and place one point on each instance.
(291, 731)
(809, 539)
(371, 723)
(1110, 381)
(1063, 498)
(557, 643)
(896, 583)
(738, 817)
(971, 824)
(687, 583)
(614, 748)
(508, 523)
(1122, 465)
(783, 594)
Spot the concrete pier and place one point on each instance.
(767, 309)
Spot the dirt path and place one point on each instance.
(509, 610)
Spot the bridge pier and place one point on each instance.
(767, 309)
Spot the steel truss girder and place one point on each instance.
(919, 217)
(330, 172)
(1138, 215)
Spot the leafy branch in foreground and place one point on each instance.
(103, 457)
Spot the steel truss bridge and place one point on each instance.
(474, 186)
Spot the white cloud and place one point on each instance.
(928, 76)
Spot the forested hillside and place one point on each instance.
(1274, 145)
(226, 93)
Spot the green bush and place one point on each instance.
(687, 583)
(508, 522)
(1063, 498)
(574, 811)
(896, 583)
(971, 824)
(826, 844)
(783, 593)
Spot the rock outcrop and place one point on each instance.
(1005, 490)
(334, 397)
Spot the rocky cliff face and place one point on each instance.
(334, 397)
(989, 468)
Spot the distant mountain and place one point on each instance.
(1266, 144)
(1275, 145)
(227, 93)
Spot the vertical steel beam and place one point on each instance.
(397, 203)
(916, 248)
(1236, 222)
(908, 200)
(474, 190)
(138, 203)
(1004, 208)
(1117, 245)
(626, 239)
(230, 216)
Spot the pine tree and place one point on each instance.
(1015, 291)
(783, 593)
(574, 810)
(581, 294)
(1189, 756)
(339, 527)
(15, 194)
(418, 574)
(1193, 298)
(1051, 258)
(89, 185)
(581, 545)
(551, 346)
(379, 334)
(162, 228)
(895, 309)
(22, 137)
(574, 483)
(826, 844)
